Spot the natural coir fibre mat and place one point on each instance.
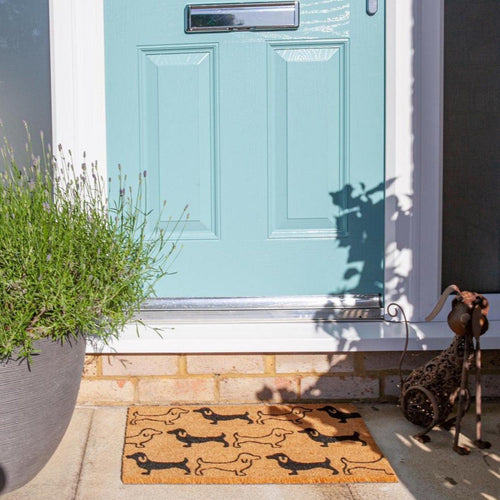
(249, 444)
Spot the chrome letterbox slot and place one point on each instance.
(268, 16)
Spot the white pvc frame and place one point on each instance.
(414, 82)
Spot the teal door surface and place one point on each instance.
(275, 139)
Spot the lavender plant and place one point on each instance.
(69, 263)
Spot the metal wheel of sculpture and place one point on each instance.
(420, 406)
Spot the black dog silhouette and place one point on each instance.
(184, 437)
(287, 463)
(216, 418)
(144, 463)
(338, 414)
(326, 440)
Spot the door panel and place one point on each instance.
(306, 120)
(274, 139)
(181, 82)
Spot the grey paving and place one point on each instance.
(59, 478)
(87, 464)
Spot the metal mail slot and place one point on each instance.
(242, 17)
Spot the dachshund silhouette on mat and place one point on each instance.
(215, 418)
(274, 438)
(144, 436)
(285, 462)
(342, 416)
(373, 465)
(326, 440)
(296, 415)
(238, 466)
(168, 418)
(188, 440)
(143, 462)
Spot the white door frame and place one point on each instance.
(414, 103)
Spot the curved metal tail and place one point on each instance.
(392, 310)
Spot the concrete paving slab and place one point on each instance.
(59, 478)
(434, 470)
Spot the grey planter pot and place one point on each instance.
(36, 404)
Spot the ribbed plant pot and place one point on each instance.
(36, 404)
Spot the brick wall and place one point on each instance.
(120, 379)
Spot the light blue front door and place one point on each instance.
(275, 139)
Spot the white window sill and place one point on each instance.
(296, 337)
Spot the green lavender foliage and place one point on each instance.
(69, 263)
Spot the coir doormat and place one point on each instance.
(249, 444)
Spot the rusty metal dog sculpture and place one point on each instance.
(429, 393)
